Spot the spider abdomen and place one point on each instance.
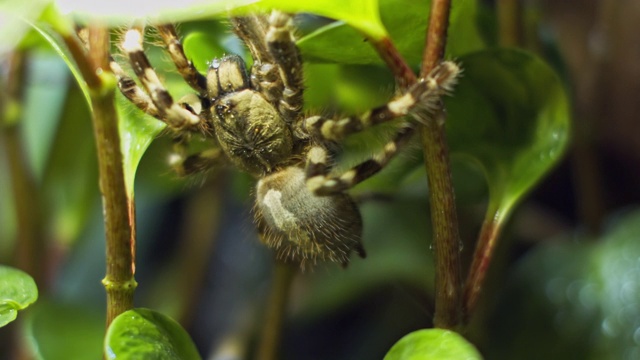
(302, 226)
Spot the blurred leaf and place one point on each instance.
(63, 331)
(510, 115)
(43, 106)
(14, 21)
(201, 48)
(69, 199)
(17, 291)
(573, 299)
(146, 334)
(54, 38)
(338, 42)
(433, 344)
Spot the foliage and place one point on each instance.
(17, 291)
(509, 116)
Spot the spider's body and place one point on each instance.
(254, 120)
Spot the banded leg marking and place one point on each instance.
(283, 48)
(170, 112)
(320, 182)
(423, 95)
(185, 67)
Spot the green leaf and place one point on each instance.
(56, 42)
(17, 291)
(510, 115)
(146, 334)
(341, 43)
(433, 344)
(201, 48)
(14, 21)
(363, 15)
(65, 331)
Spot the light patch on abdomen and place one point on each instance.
(283, 218)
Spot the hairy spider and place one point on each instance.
(254, 121)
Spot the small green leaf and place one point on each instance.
(341, 43)
(17, 291)
(510, 115)
(433, 344)
(146, 334)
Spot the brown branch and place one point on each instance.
(119, 209)
(444, 219)
(402, 72)
(436, 39)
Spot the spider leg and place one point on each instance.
(321, 182)
(265, 76)
(173, 114)
(185, 164)
(133, 92)
(185, 67)
(424, 94)
(283, 48)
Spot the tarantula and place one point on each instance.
(254, 120)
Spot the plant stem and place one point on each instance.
(403, 74)
(276, 311)
(480, 265)
(118, 207)
(444, 219)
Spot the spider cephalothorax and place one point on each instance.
(254, 121)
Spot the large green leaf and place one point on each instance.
(433, 344)
(362, 15)
(17, 291)
(146, 334)
(573, 298)
(406, 21)
(510, 115)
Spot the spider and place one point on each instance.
(254, 120)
